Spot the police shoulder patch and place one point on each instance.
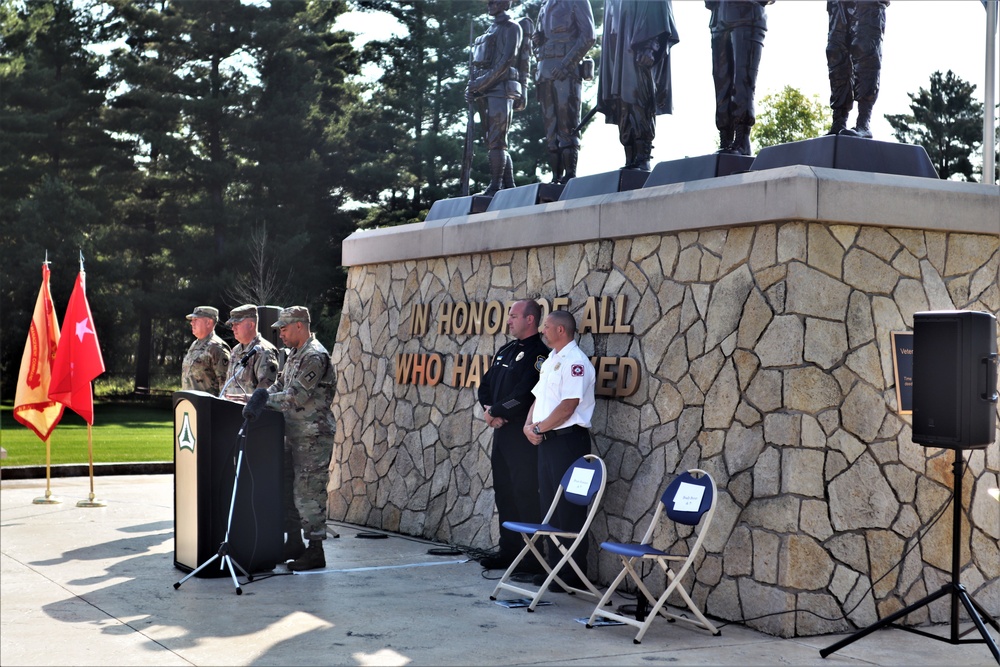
(538, 363)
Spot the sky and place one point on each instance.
(921, 37)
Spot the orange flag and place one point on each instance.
(32, 406)
(78, 360)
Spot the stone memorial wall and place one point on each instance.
(741, 325)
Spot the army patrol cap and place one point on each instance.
(291, 314)
(205, 311)
(245, 312)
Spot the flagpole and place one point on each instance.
(91, 501)
(48, 499)
(989, 91)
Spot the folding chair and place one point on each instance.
(688, 500)
(582, 484)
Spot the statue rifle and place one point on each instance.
(586, 119)
(470, 125)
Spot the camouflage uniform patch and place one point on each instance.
(260, 371)
(205, 365)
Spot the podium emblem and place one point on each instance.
(185, 437)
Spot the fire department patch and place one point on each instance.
(577, 370)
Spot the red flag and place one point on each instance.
(32, 405)
(78, 360)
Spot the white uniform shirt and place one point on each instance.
(567, 373)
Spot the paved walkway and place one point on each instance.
(95, 586)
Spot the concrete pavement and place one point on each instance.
(95, 586)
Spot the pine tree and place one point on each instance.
(947, 121)
(60, 169)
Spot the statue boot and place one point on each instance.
(741, 140)
(508, 171)
(498, 163)
(294, 546)
(555, 164)
(629, 156)
(839, 121)
(312, 558)
(863, 127)
(643, 154)
(726, 136)
(569, 159)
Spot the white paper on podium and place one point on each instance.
(579, 481)
(688, 498)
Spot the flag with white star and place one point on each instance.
(78, 360)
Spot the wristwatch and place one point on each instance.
(534, 429)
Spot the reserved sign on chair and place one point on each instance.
(688, 498)
(579, 482)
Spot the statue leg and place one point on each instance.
(496, 138)
(748, 43)
(567, 96)
(866, 52)
(644, 124)
(569, 157)
(508, 171)
(643, 155)
(498, 162)
(722, 74)
(840, 67)
(636, 128)
(548, 103)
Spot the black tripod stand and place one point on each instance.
(955, 588)
(223, 553)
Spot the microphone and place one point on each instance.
(245, 359)
(255, 406)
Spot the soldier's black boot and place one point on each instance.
(629, 156)
(312, 558)
(294, 546)
(862, 127)
(725, 140)
(643, 154)
(555, 164)
(569, 159)
(741, 140)
(839, 121)
(508, 171)
(498, 162)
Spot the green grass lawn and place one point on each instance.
(122, 432)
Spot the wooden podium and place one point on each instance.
(206, 445)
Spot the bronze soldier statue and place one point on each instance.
(738, 29)
(634, 83)
(564, 35)
(494, 84)
(854, 60)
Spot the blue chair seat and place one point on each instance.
(632, 550)
(530, 528)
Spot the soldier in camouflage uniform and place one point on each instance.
(304, 394)
(254, 361)
(207, 360)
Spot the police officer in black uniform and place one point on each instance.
(505, 394)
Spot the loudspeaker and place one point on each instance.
(954, 379)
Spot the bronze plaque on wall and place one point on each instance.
(902, 370)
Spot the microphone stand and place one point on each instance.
(243, 364)
(223, 553)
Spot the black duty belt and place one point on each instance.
(557, 432)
